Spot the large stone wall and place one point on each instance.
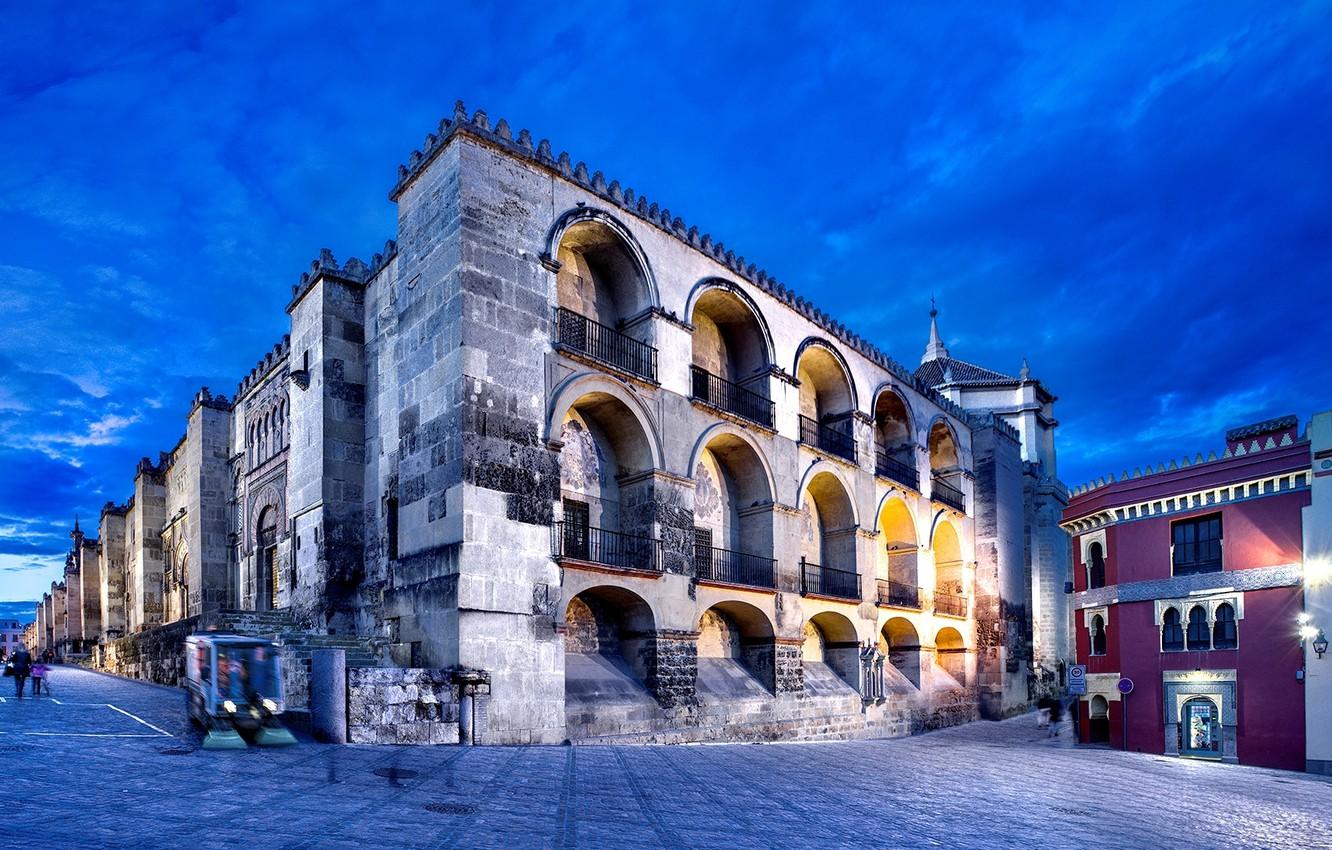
(156, 655)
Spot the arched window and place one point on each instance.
(1223, 631)
(1098, 635)
(1172, 632)
(1199, 633)
(1096, 569)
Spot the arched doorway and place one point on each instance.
(951, 654)
(831, 652)
(730, 356)
(945, 467)
(826, 402)
(895, 562)
(1099, 720)
(736, 652)
(609, 646)
(1200, 728)
(733, 524)
(267, 591)
(604, 295)
(949, 577)
(901, 643)
(828, 539)
(604, 443)
(894, 445)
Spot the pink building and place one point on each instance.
(1188, 583)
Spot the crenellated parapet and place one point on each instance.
(542, 155)
(1242, 448)
(353, 271)
(205, 398)
(277, 354)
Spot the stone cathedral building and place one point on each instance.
(554, 434)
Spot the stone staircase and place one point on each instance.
(298, 645)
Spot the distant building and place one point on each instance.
(1188, 582)
(11, 636)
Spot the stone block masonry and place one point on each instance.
(409, 705)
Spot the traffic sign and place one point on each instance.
(1126, 686)
(1077, 679)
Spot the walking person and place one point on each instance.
(38, 679)
(1056, 715)
(22, 667)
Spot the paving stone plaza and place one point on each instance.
(111, 763)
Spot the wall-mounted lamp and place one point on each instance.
(1320, 643)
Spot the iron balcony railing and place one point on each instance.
(603, 546)
(828, 581)
(899, 595)
(890, 467)
(948, 494)
(950, 603)
(600, 342)
(735, 567)
(733, 398)
(828, 438)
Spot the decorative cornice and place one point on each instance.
(274, 358)
(1253, 447)
(541, 155)
(1256, 578)
(1220, 494)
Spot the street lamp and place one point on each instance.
(1320, 643)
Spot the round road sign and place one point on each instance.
(1126, 685)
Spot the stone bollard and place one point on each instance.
(328, 695)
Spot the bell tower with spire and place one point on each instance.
(934, 349)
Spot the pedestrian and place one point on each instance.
(1056, 715)
(1043, 713)
(22, 667)
(38, 678)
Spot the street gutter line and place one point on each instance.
(140, 719)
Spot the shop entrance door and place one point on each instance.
(1200, 729)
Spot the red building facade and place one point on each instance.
(1188, 583)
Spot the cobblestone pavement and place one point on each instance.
(114, 764)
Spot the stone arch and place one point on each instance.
(604, 272)
(733, 508)
(742, 332)
(827, 385)
(828, 522)
(830, 640)
(898, 545)
(735, 637)
(586, 385)
(900, 641)
(608, 630)
(945, 448)
(266, 532)
(950, 652)
(894, 421)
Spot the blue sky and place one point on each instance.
(1137, 200)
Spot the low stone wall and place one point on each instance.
(156, 655)
(402, 705)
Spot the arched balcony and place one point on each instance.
(827, 402)
(730, 357)
(949, 577)
(830, 652)
(901, 643)
(946, 467)
(605, 451)
(604, 298)
(828, 540)
(736, 652)
(733, 528)
(894, 445)
(896, 573)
